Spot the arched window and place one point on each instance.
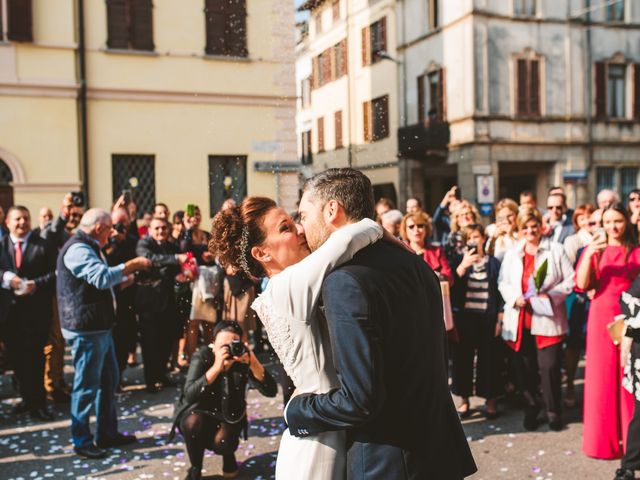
(6, 189)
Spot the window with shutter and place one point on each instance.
(320, 134)
(336, 61)
(226, 28)
(141, 167)
(527, 87)
(227, 179)
(434, 108)
(343, 57)
(326, 66)
(305, 90)
(2, 32)
(380, 118)
(366, 51)
(636, 91)
(526, 8)
(601, 97)
(141, 27)
(307, 157)
(366, 121)
(314, 72)
(615, 11)
(338, 128)
(441, 89)
(377, 40)
(319, 77)
(422, 106)
(616, 98)
(318, 22)
(433, 14)
(335, 7)
(130, 24)
(19, 17)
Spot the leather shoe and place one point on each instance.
(193, 474)
(20, 407)
(90, 451)
(119, 440)
(59, 396)
(42, 413)
(229, 466)
(624, 474)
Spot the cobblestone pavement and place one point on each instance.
(36, 450)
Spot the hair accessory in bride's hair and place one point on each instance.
(244, 247)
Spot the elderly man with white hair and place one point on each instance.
(86, 303)
(606, 198)
(391, 221)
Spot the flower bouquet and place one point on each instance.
(540, 305)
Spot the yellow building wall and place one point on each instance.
(181, 136)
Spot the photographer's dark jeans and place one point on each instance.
(94, 385)
(201, 431)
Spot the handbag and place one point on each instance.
(616, 329)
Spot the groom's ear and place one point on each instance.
(260, 255)
(331, 211)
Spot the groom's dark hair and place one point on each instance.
(350, 188)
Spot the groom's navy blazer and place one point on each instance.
(384, 311)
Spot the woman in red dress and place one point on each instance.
(608, 265)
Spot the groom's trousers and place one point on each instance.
(371, 461)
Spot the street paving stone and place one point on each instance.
(32, 450)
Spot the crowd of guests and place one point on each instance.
(106, 282)
(523, 297)
(529, 293)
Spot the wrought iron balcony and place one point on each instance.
(422, 140)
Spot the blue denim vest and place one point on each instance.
(82, 307)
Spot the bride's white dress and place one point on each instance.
(299, 336)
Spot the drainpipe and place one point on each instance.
(350, 74)
(82, 101)
(589, 75)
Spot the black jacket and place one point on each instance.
(39, 265)
(224, 399)
(384, 311)
(160, 296)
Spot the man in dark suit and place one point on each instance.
(29, 263)
(384, 313)
(155, 302)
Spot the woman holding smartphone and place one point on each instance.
(608, 265)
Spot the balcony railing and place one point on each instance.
(422, 140)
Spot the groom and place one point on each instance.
(384, 312)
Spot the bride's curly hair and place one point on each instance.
(235, 230)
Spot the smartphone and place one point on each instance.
(126, 195)
(458, 193)
(600, 235)
(191, 210)
(472, 248)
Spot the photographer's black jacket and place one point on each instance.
(224, 399)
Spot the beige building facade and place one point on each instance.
(182, 102)
(348, 90)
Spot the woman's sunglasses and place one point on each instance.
(417, 225)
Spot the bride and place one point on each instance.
(261, 239)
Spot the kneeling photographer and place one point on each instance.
(211, 412)
(156, 303)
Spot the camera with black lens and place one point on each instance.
(120, 227)
(472, 248)
(236, 348)
(77, 198)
